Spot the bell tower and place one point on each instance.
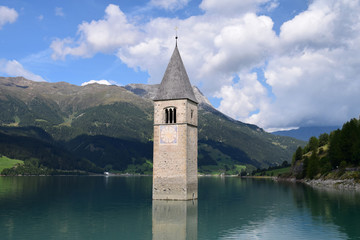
(175, 135)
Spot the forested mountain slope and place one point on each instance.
(111, 126)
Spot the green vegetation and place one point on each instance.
(283, 169)
(28, 167)
(226, 169)
(37, 149)
(330, 155)
(96, 128)
(145, 168)
(112, 153)
(245, 144)
(275, 172)
(6, 162)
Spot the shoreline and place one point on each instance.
(330, 184)
(346, 184)
(336, 184)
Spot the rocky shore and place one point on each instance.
(339, 184)
(346, 184)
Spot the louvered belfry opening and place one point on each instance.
(170, 115)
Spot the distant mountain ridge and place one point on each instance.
(149, 92)
(305, 133)
(112, 126)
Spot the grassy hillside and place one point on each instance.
(273, 172)
(112, 127)
(34, 147)
(111, 153)
(330, 156)
(6, 162)
(245, 143)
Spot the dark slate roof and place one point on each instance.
(175, 83)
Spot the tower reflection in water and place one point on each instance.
(174, 219)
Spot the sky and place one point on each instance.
(279, 64)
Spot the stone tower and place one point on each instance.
(175, 135)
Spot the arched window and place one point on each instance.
(166, 115)
(174, 115)
(170, 115)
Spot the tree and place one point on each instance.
(347, 138)
(313, 144)
(355, 147)
(335, 154)
(323, 139)
(243, 173)
(285, 164)
(298, 153)
(355, 158)
(313, 166)
(305, 167)
(324, 165)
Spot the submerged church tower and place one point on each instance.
(175, 135)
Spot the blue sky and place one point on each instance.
(275, 63)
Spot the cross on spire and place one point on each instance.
(176, 35)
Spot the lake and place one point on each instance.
(96, 207)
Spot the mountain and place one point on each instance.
(112, 126)
(238, 141)
(305, 133)
(37, 147)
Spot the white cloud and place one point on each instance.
(312, 88)
(104, 35)
(206, 45)
(149, 46)
(312, 67)
(169, 4)
(148, 55)
(308, 28)
(326, 24)
(231, 7)
(7, 15)
(316, 76)
(313, 71)
(14, 68)
(102, 82)
(242, 98)
(272, 5)
(238, 45)
(59, 12)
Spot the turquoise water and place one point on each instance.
(121, 208)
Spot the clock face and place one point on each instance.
(168, 134)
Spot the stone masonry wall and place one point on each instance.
(175, 165)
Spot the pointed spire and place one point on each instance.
(176, 36)
(175, 83)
